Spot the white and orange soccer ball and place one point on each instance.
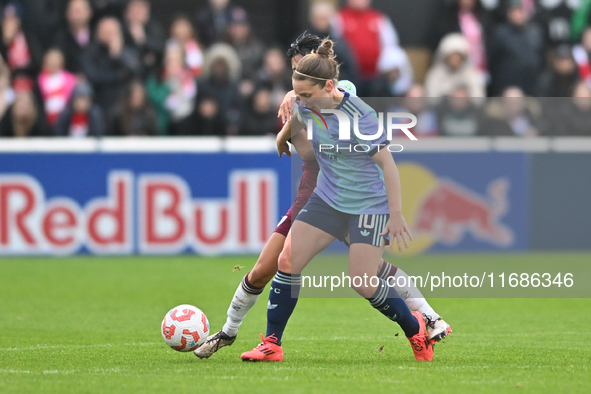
(185, 328)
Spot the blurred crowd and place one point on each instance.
(112, 68)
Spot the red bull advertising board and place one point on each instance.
(139, 203)
(219, 203)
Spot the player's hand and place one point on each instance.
(286, 107)
(398, 230)
(283, 147)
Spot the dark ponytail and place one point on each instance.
(303, 45)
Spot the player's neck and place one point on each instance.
(337, 97)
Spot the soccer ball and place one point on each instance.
(185, 328)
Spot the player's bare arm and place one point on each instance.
(295, 131)
(286, 107)
(303, 146)
(282, 137)
(300, 140)
(396, 226)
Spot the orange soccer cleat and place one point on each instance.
(268, 350)
(421, 347)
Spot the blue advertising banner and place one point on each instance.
(461, 201)
(230, 202)
(140, 202)
(560, 201)
(466, 201)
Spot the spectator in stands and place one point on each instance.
(582, 56)
(452, 68)
(463, 16)
(82, 117)
(212, 21)
(275, 75)
(249, 48)
(322, 14)
(512, 115)
(260, 117)
(24, 118)
(575, 117)
(415, 103)
(19, 47)
(395, 74)
(458, 115)
(55, 84)
(208, 119)
(134, 115)
(183, 32)
(104, 8)
(559, 79)
(581, 19)
(368, 33)
(144, 33)
(109, 64)
(553, 17)
(174, 93)
(6, 92)
(75, 36)
(516, 52)
(42, 19)
(220, 80)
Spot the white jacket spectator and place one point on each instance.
(452, 69)
(394, 65)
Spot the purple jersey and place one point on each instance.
(349, 180)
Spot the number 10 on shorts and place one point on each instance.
(364, 221)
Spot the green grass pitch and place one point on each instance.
(89, 324)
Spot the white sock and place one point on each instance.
(412, 295)
(241, 303)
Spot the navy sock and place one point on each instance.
(388, 302)
(285, 289)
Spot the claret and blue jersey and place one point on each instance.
(349, 179)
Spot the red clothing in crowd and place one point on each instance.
(56, 90)
(368, 32)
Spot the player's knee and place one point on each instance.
(285, 261)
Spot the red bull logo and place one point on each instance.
(165, 220)
(440, 210)
(450, 211)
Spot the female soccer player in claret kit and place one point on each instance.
(266, 266)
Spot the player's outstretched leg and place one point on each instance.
(247, 294)
(285, 288)
(282, 301)
(387, 300)
(279, 308)
(437, 328)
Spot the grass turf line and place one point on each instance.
(90, 324)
